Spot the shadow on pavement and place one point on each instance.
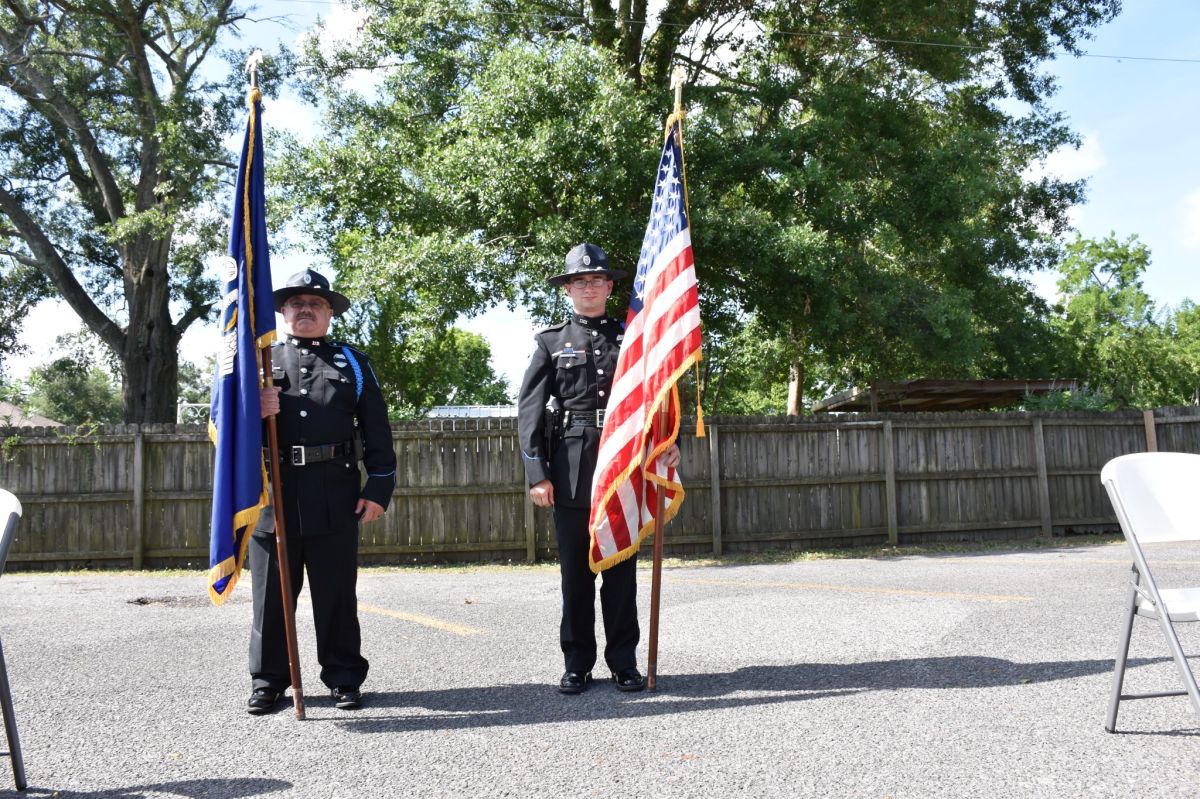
(518, 704)
(223, 787)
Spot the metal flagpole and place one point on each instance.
(281, 548)
(678, 76)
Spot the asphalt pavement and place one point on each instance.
(953, 675)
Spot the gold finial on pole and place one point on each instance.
(678, 76)
(252, 64)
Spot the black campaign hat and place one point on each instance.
(314, 283)
(586, 259)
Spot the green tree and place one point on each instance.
(1184, 326)
(111, 144)
(861, 195)
(746, 373)
(21, 288)
(72, 392)
(426, 366)
(1114, 337)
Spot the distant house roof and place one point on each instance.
(12, 416)
(939, 395)
(470, 411)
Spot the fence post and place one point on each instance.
(1039, 449)
(139, 496)
(1151, 432)
(714, 473)
(889, 486)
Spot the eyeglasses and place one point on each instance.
(593, 282)
(300, 305)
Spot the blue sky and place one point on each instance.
(1138, 119)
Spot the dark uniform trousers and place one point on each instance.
(618, 599)
(332, 576)
(573, 364)
(328, 398)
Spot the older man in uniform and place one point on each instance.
(573, 365)
(331, 413)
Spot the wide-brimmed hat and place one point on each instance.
(310, 282)
(586, 259)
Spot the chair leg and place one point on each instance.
(10, 726)
(1185, 671)
(1114, 701)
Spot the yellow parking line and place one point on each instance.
(424, 621)
(857, 589)
(1036, 561)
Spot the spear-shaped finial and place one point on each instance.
(252, 65)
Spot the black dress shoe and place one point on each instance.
(346, 698)
(262, 700)
(629, 680)
(574, 682)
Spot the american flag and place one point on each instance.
(662, 339)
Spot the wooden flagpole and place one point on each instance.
(281, 554)
(281, 548)
(678, 76)
(660, 506)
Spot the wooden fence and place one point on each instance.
(139, 496)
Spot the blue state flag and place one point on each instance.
(248, 326)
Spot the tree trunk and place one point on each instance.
(795, 398)
(151, 358)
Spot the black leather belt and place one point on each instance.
(583, 418)
(302, 456)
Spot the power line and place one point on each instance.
(799, 34)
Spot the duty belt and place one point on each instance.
(583, 418)
(319, 453)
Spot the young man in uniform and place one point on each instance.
(573, 365)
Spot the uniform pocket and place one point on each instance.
(341, 389)
(570, 379)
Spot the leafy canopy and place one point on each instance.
(858, 181)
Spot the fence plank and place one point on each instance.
(139, 497)
(1043, 480)
(714, 476)
(889, 470)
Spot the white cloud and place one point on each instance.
(287, 112)
(343, 28)
(45, 323)
(1191, 220)
(1071, 163)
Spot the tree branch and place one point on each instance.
(51, 264)
(39, 91)
(20, 257)
(195, 312)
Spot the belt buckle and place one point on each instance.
(600, 416)
(298, 458)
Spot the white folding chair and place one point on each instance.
(10, 512)
(1156, 496)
